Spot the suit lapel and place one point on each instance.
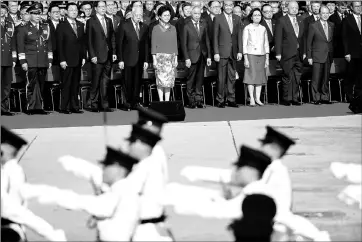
(289, 23)
(330, 32)
(71, 28)
(226, 22)
(321, 30)
(100, 25)
(193, 27)
(234, 23)
(353, 22)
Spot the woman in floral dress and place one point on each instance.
(164, 52)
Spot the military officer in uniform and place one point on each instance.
(35, 56)
(15, 216)
(8, 59)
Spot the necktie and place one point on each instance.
(325, 28)
(230, 22)
(104, 25)
(75, 28)
(359, 23)
(137, 30)
(197, 28)
(296, 26)
(270, 26)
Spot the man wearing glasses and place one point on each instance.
(269, 23)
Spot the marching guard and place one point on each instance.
(35, 56)
(8, 59)
(15, 216)
(153, 225)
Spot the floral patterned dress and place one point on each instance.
(165, 70)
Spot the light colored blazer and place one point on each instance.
(255, 40)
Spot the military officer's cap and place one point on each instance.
(11, 138)
(253, 158)
(114, 156)
(36, 8)
(3, 5)
(259, 207)
(273, 136)
(25, 4)
(150, 117)
(144, 135)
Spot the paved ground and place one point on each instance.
(320, 141)
(23, 121)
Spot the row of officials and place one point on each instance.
(131, 191)
(203, 33)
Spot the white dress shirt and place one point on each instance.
(255, 40)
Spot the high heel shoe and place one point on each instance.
(259, 103)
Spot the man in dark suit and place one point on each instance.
(13, 14)
(289, 50)
(196, 48)
(352, 42)
(227, 44)
(283, 10)
(337, 18)
(8, 59)
(214, 9)
(315, 6)
(320, 55)
(72, 53)
(269, 24)
(133, 56)
(180, 23)
(122, 11)
(101, 53)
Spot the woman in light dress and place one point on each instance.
(256, 56)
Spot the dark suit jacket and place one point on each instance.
(99, 45)
(307, 21)
(54, 42)
(194, 45)
(179, 25)
(271, 32)
(130, 49)
(120, 14)
(319, 48)
(8, 44)
(286, 42)
(278, 15)
(71, 47)
(352, 38)
(227, 44)
(337, 38)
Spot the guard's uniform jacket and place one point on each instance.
(8, 56)
(35, 49)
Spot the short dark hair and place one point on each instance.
(211, 2)
(96, 3)
(51, 6)
(265, 5)
(71, 4)
(250, 17)
(187, 4)
(163, 9)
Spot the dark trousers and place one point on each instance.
(195, 80)
(100, 80)
(292, 69)
(35, 87)
(354, 79)
(320, 80)
(226, 80)
(70, 88)
(6, 79)
(132, 83)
